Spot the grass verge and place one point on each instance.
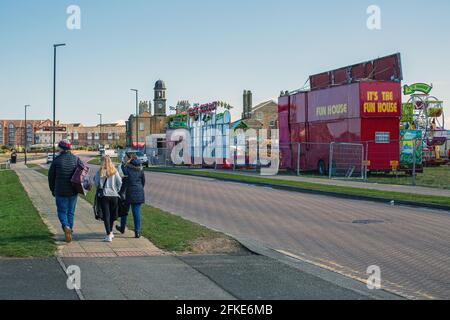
(97, 160)
(22, 231)
(38, 168)
(173, 233)
(376, 194)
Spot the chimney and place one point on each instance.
(244, 111)
(249, 103)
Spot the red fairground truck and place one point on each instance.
(363, 112)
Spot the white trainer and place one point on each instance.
(108, 239)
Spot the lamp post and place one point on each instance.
(55, 46)
(137, 120)
(26, 132)
(101, 126)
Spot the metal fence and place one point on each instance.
(347, 160)
(371, 161)
(5, 166)
(159, 157)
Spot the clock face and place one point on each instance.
(160, 105)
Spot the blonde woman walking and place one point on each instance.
(108, 183)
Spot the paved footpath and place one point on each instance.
(89, 233)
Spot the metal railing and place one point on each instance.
(5, 166)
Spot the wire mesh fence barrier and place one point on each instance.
(401, 162)
(159, 157)
(347, 160)
(5, 165)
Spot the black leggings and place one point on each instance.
(110, 206)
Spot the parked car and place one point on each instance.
(50, 157)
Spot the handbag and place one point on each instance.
(99, 194)
(79, 177)
(124, 207)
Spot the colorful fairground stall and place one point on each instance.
(423, 121)
(205, 125)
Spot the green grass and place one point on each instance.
(167, 231)
(22, 231)
(97, 160)
(399, 196)
(434, 177)
(38, 168)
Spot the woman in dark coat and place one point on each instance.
(134, 192)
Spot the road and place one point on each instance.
(411, 246)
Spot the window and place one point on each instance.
(29, 134)
(97, 136)
(141, 126)
(272, 123)
(75, 135)
(382, 137)
(1, 134)
(117, 135)
(11, 134)
(259, 116)
(110, 136)
(89, 135)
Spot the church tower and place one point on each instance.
(160, 100)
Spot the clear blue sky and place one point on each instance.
(204, 50)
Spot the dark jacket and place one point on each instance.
(134, 182)
(60, 174)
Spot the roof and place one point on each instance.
(160, 85)
(263, 104)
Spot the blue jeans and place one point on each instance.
(66, 210)
(136, 209)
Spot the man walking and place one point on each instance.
(59, 176)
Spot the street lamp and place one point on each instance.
(54, 95)
(26, 132)
(101, 125)
(137, 120)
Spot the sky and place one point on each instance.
(205, 50)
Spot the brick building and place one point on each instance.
(148, 124)
(112, 134)
(12, 132)
(261, 116)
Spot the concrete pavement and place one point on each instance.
(88, 233)
(33, 279)
(411, 246)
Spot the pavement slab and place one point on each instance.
(144, 278)
(254, 277)
(89, 233)
(33, 279)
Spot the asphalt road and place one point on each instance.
(410, 246)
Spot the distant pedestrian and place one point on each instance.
(134, 195)
(59, 181)
(109, 181)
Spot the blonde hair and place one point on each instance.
(107, 168)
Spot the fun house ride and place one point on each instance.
(358, 104)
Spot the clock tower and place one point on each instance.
(160, 100)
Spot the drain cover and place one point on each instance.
(368, 221)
